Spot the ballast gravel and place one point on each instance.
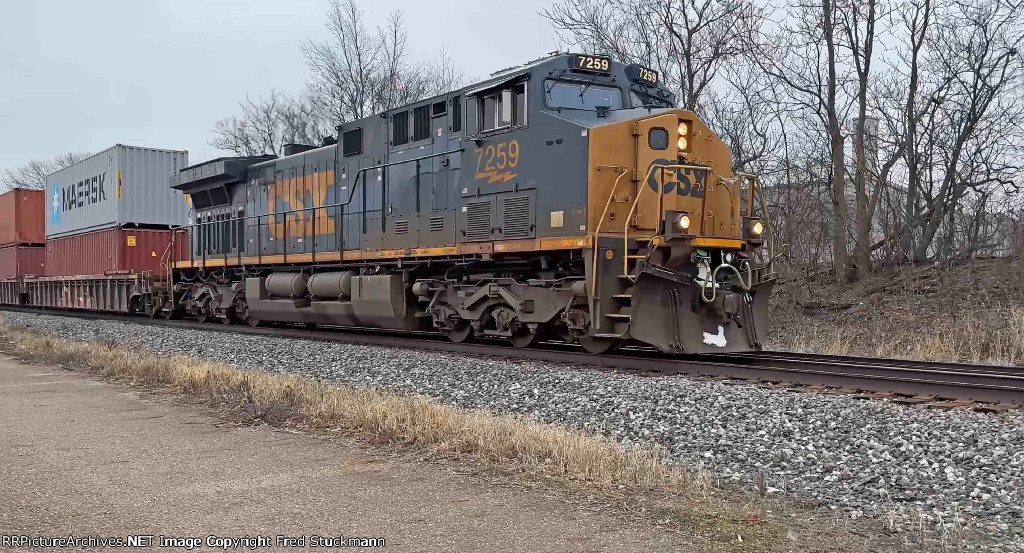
(917, 466)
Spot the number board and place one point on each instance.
(594, 64)
(641, 74)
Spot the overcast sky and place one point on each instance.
(84, 75)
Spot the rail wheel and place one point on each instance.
(597, 346)
(156, 309)
(205, 311)
(459, 333)
(523, 337)
(243, 314)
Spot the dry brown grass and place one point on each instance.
(378, 415)
(969, 314)
(639, 481)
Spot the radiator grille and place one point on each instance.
(478, 220)
(401, 227)
(436, 224)
(515, 218)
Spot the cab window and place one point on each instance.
(577, 95)
(642, 100)
(504, 107)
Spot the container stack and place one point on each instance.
(22, 233)
(112, 213)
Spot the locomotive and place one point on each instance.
(566, 199)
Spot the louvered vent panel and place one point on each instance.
(478, 220)
(401, 227)
(516, 217)
(436, 224)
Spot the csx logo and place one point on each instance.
(689, 182)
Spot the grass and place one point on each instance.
(638, 481)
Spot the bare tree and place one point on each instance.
(969, 144)
(266, 124)
(342, 70)
(359, 72)
(707, 36)
(33, 174)
(803, 56)
(688, 41)
(857, 21)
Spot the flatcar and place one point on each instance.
(566, 199)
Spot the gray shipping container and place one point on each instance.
(123, 185)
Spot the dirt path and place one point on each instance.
(87, 458)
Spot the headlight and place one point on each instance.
(683, 221)
(683, 143)
(684, 129)
(757, 228)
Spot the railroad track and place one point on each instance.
(950, 384)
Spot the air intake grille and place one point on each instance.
(515, 218)
(436, 224)
(401, 227)
(478, 221)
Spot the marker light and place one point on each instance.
(757, 228)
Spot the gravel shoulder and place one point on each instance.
(88, 458)
(914, 467)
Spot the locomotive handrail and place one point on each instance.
(362, 171)
(636, 202)
(600, 222)
(755, 192)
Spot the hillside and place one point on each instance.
(970, 313)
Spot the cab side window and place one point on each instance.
(503, 108)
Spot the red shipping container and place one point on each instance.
(17, 260)
(23, 217)
(113, 250)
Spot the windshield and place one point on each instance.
(565, 94)
(641, 99)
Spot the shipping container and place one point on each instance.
(119, 187)
(115, 250)
(17, 260)
(22, 217)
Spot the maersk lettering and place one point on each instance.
(83, 193)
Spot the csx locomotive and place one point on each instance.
(567, 199)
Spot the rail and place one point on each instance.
(200, 241)
(918, 380)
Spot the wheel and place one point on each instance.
(243, 314)
(157, 308)
(523, 337)
(226, 319)
(460, 333)
(597, 346)
(168, 315)
(205, 312)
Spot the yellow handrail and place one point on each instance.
(636, 202)
(755, 193)
(597, 230)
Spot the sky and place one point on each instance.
(85, 75)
